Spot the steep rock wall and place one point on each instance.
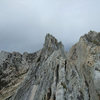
(60, 76)
(56, 75)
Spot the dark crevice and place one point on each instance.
(81, 96)
(77, 71)
(3, 84)
(87, 85)
(39, 59)
(54, 97)
(57, 74)
(9, 97)
(65, 64)
(48, 94)
(97, 69)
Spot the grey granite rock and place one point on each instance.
(56, 75)
(13, 68)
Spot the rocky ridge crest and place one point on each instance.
(56, 75)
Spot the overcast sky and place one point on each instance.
(24, 23)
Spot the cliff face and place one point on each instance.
(56, 75)
(85, 57)
(13, 68)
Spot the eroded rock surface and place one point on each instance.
(13, 68)
(56, 75)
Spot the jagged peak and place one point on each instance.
(52, 42)
(92, 37)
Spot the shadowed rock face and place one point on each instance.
(56, 75)
(13, 68)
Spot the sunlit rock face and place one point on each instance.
(54, 74)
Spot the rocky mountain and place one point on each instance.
(13, 68)
(52, 73)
